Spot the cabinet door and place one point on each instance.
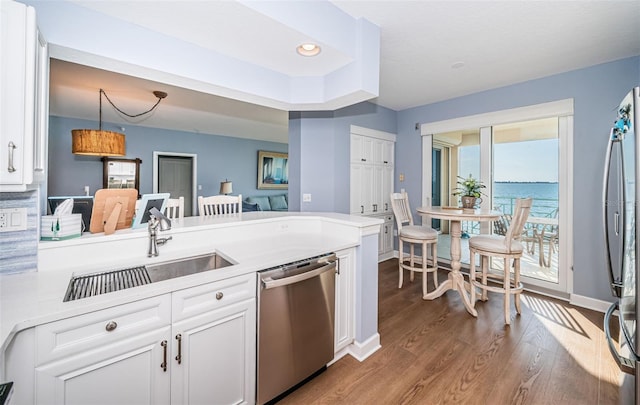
(128, 371)
(387, 189)
(344, 320)
(378, 186)
(362, 189)
(17, 94)
(217, 353)
(388, 234)
(387, 153)
(356, 149)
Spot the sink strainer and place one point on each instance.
(89, 285)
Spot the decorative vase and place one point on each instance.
(468, 202)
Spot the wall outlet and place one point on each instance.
(13, 219)
(306, 197)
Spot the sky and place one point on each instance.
(529, 161)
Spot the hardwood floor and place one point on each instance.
(434, 352)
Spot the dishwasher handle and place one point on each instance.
(268, 282)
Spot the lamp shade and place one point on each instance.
(226, 187)
(97, 142)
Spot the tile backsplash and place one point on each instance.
(19, 249)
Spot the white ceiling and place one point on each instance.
(498, 42)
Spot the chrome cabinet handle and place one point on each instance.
(386, 229)
(363, 159)
(111, 326)
(12, 147)
(386, 206)
(362, 209)
(164, 355)
(219, 295)
(179, 356)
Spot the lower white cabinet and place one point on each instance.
(127, 371)
(217, 354)
(345, 307)
(194, 346)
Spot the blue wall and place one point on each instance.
(219, 158)
(323, 141)
(596, 91)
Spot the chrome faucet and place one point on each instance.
(157, 221)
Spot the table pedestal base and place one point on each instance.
(455, 281)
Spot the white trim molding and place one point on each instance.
(373, 133)
(360, 351)
(558, 108)
(589, 303)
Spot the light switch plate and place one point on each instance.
(306, 197)
(13, 219)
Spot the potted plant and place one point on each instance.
(469, 190)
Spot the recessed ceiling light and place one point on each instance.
(308, 49)
(457, 65)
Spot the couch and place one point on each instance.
(276, 202)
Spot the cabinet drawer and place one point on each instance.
(207, 297)
(70, 336)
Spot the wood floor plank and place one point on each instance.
(434, 352)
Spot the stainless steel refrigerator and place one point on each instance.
(621, 208)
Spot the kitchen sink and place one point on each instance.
(184, 267)
(88, 285)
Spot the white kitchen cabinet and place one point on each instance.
(214, 333)
(345, 295)
(385, 238)
(192, 346)
(218, 355)
(24, 84)
(372, 171)
(110, 356)
(362, 189)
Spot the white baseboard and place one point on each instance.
(589, 303)
(360, 351)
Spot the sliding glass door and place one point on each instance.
(524, 158)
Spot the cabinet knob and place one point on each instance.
(219, 295)
(111, 326)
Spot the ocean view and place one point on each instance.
(545, 196)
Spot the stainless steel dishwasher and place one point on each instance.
(296, 305)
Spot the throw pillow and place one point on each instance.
(278, 202)
(262, 201)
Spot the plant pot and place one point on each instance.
(468, 202)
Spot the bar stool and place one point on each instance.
(507, 247)
(422, 236)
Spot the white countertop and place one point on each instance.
(255, 241)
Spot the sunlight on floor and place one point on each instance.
(575, 333)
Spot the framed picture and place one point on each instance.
(147, 202)
(273, 170)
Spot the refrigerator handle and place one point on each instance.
(626, 365)
(605, 205)
(615, 287)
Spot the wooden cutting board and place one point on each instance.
(105, 203)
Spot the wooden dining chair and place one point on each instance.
(174, 208)
(423, 236)
(508, 247)
(219, 205)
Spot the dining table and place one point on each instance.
(455, 280)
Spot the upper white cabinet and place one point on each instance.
(24, 86)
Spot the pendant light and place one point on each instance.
(98, 142)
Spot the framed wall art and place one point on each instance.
(273, 170)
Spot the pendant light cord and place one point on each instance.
(158, 94)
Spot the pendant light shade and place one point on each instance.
(97, 142)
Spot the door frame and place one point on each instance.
(563, 109)
(194, 174)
